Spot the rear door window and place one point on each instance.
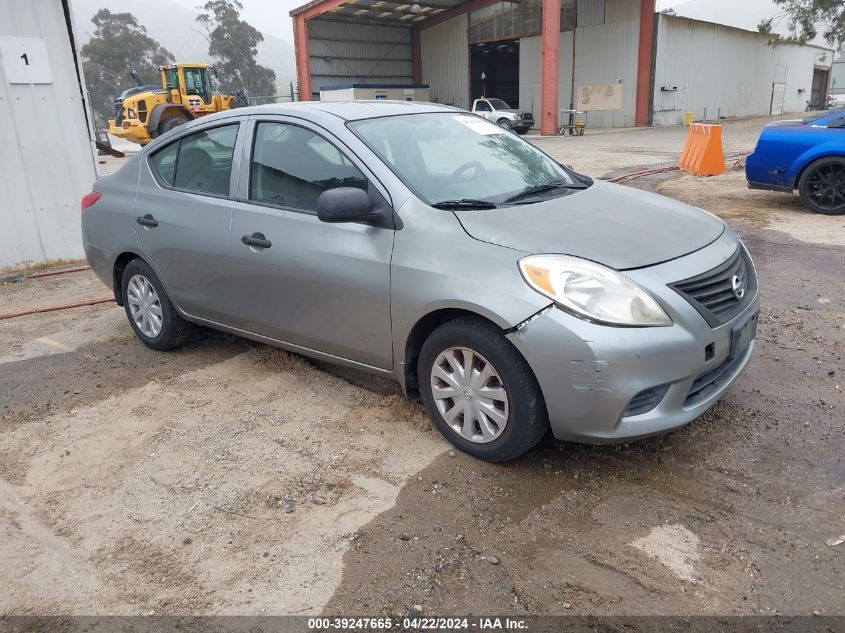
(199, 162)
(204, 164)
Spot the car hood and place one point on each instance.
(513, 111)
(616, 226)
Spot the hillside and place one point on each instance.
(174, 27)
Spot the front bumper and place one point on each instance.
(589, 373)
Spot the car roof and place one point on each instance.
(313, 110)
(346, 110)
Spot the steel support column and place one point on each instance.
(550, 69)
(303, 59)
(416, 53)
(645, 63)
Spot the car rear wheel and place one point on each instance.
(480, 392)
(149, 310)
(505, 124)
(822, 186)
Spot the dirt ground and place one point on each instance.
(233, 478)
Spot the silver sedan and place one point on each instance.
(510, 294)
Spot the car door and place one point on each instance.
(182, 217)
(309, 283)
(484, 109)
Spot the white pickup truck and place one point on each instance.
(498, 111)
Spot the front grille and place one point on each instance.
(142, 111)
(645, 401)
(712, 294)
(712, 381)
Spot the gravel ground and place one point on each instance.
(232, 478)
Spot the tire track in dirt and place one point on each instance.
(174, 496)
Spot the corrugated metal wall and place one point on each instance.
(530, 57)
(46, 157)
(344, 53)
(590, 12)
(445, 61)
(725, 70)
(607, 53)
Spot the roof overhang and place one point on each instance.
(385, 12)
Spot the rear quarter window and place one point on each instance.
(164, 163)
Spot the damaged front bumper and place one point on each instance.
(615, 384)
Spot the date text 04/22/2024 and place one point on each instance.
(417, 624)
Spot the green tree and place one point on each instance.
(233, 44)
(807, 19)
(119, 46)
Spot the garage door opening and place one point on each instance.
(498, 62)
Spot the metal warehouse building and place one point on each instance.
(617, 59)
(46, 153)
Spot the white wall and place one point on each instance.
(605, 49)
(726, 70)
(343, 53)
(530, 61)
(46, 157)
(445, 61)
(607, 53)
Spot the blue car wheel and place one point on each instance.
(822, 186)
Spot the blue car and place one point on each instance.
(806, 155)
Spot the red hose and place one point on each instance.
(661, 170)
(62, 271)
(65, 306)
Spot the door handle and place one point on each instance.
(256, 240)
(147, 220)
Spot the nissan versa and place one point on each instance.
(511, 294)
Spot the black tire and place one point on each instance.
(527, 420)
(174, 329)
(522, 132)
(505, 124)
(822, 186)
(169, 123)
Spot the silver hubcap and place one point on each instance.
(469, 394)
(144, 305)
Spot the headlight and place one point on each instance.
(592, 291)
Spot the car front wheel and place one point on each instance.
(150, 311)
(822, 186)
(480, 392)
(505, 124)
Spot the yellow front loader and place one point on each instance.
(143, 113)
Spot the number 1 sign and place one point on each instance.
(25, 60)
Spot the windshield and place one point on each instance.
(452, 156)
(498, 104)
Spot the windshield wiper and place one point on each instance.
(535, 189)
(465, 203)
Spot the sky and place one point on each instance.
(271, 16)
(268, 16)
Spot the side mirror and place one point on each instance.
(345, 204)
